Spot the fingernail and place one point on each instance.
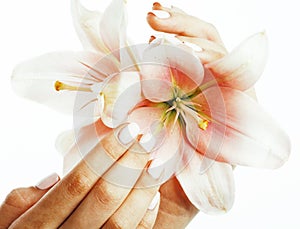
(48, 182)
(156, 168)
(128, 133)
(154, 201)
(148, 142)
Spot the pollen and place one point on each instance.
(59, 86)
(203, 124)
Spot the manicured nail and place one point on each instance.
(156, 168)
(148, 142)
(154, 201)
(48, 182)
(128, 133)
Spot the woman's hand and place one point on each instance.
(85, 198)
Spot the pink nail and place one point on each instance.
(48, 182)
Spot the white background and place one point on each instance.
(264, 199)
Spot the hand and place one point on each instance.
(84, 198)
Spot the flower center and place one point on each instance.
(181, 106)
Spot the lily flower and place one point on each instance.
(191, 106)
(208, 107)
(72, 81)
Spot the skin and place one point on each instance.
(83, 199)
(175, 210)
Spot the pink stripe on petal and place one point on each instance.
(251, 137)
(168, 67)
(168, 139)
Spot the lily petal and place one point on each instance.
(121, 93)
(249, 135)
(86, 23)
(64, 141)
(166, 151)
(210, 51)
(241, 68)
(113, 26)
(85, 139)
(211, 191)
(167, 67)
(54, 79)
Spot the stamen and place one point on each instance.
(176, 118)
(59, 86)
(192, 105)
(152, 38)
(171, 108)
(100, 74)
(203, 124)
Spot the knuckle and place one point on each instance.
(105, 194)
(112, 147)
(16, 199)
(148, 220)
(144, 224)
(115, 224)
(79, 183)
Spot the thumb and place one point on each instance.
(20, 200)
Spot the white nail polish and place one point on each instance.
(148, 142)
(128, 133)
(154, 201)
(156, 168)
(48, 181)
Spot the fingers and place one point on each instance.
(20, 200)
(210, 51)
(182, 24)
(134, 209)
(150, 216)
(175, 209)
(61, 200)
(106, 197)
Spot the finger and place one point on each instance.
(204, 44)
(110, 191)
(175, 209)
(60, 201)
(150, 216)
(20, 200)
(133, 209)
(182, 24)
